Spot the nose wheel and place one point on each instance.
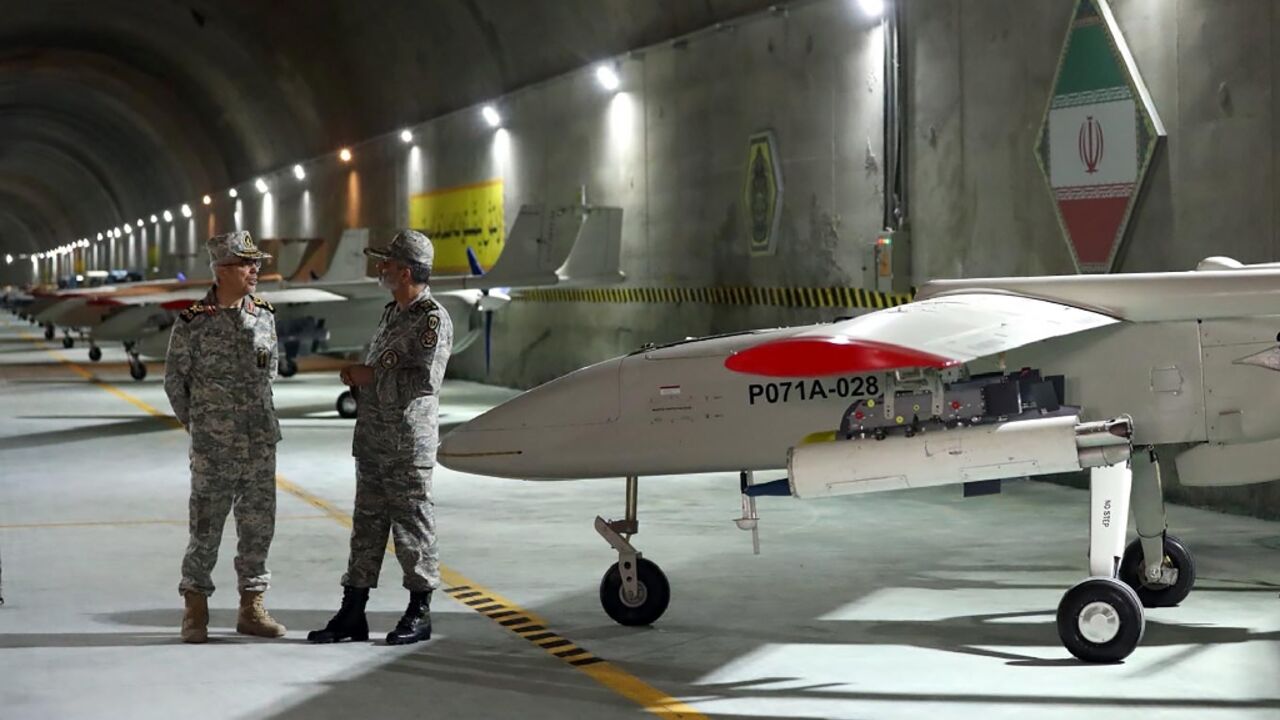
(650, 598)
(137, 368)
(634, 591)
(347, 404)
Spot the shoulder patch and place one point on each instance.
(194, 311)
(429, 306)
(263, 304)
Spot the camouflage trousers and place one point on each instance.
(240, 478)
(393, 498)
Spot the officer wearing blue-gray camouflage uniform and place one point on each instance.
(221, 361)
(397, 430)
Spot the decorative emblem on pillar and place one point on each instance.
(762, 194)
(1098, 137)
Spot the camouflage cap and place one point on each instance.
(409, 247)
(229, 248)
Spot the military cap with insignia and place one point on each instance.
(409, 247)
(230, 248)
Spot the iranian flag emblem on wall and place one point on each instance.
(1099, 134)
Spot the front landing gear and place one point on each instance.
(634, 591)
(347, 405)
(137, 368)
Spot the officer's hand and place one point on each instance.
(357, 375)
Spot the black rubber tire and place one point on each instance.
(138, 371)
(95, 353)
(48, 332)
(68, 342)
(347, 405)
(288, 367)
(655, 590)
(1177, 555)
(1128, 608)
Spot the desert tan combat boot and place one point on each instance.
(195, 621)
(254, 619)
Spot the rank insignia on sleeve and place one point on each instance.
(263, 304)
(389, 359)
(429, 339)
(264, 357)
(433, 321)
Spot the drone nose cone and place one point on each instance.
(481, 452)
(540, 433)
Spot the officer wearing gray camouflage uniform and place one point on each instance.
(397, 430)
(221, 361)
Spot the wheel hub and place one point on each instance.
(1099, 623)
(634, 601)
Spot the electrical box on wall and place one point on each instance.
(888, 262)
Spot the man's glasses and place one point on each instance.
(247, 263)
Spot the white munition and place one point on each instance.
(967, 454)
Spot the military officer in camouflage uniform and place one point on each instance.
(218, 372)
(397, 429)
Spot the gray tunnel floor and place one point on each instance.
(886, 606)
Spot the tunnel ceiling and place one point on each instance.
(110, 109)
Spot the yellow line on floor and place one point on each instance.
(503, 612)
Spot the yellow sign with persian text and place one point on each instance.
(458, 217)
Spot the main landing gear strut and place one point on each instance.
(1101, 618)
(634, 591)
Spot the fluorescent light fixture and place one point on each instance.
(261, 185)
(406, 136)
(491, 116)
(100, 234)
(154, 219)
(128, 229)
(344, 155)
(117, 231)
(168, 216)
(607, 78)
(186, 210)
(206, 200)
(872, 8)
(232, 192)
(8, 259)
(299, 173)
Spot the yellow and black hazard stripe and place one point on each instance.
(800, 297)
(515, 620)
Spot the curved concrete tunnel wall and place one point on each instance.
(979, 77)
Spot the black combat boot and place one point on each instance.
(415, 624)
(350, 622)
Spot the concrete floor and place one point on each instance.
(883, 606)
